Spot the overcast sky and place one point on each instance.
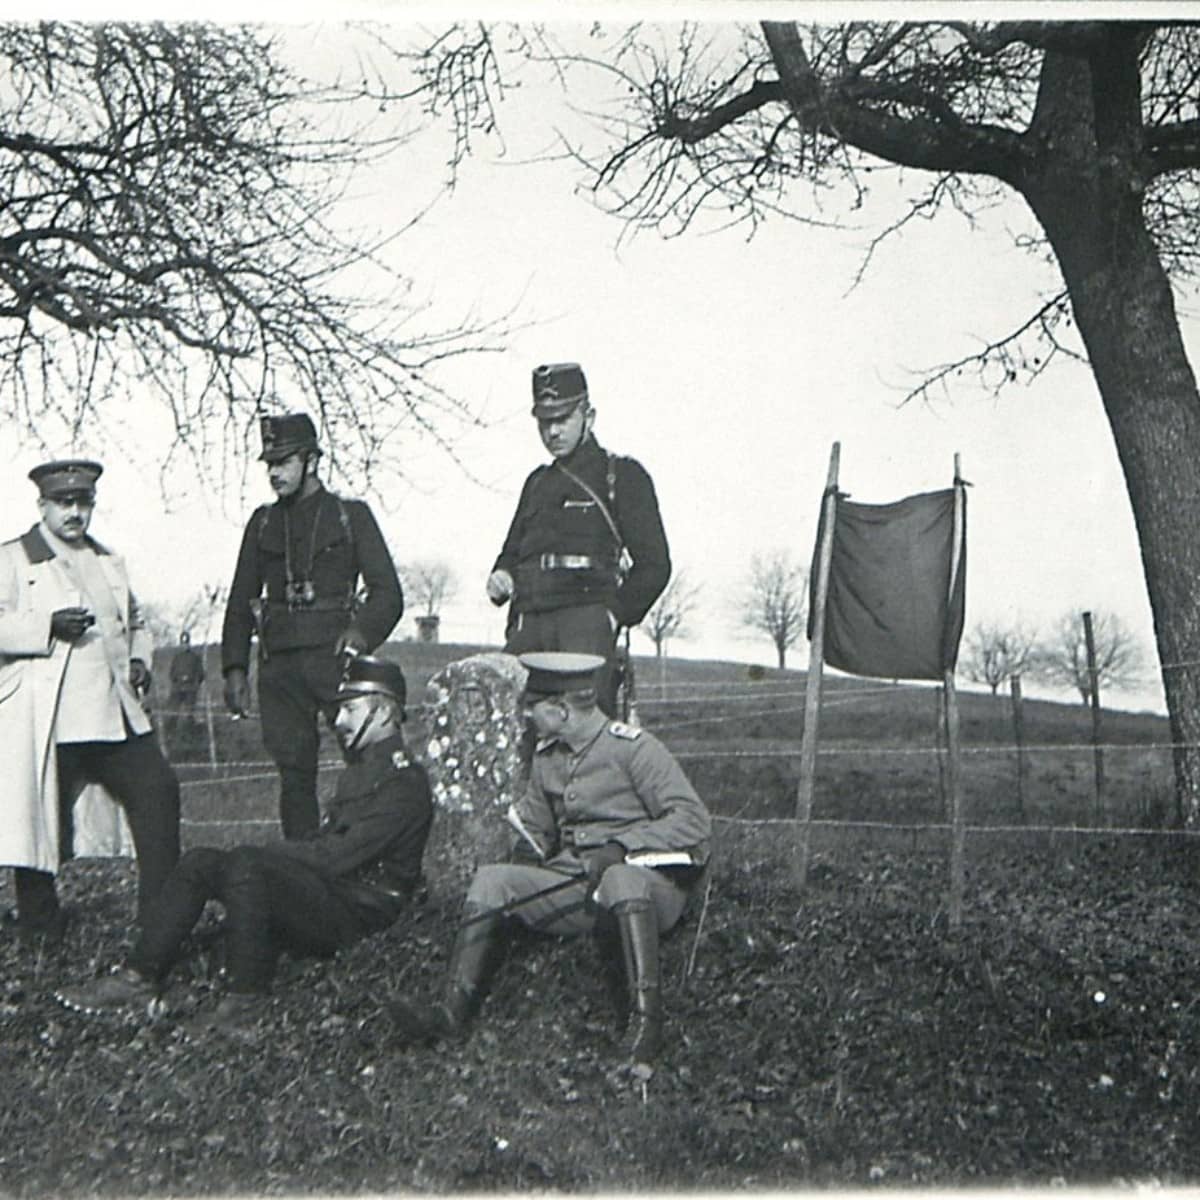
(728, 368)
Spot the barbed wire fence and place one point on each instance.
(691, 717)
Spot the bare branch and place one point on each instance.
(1062, 658)
(1079, 38)
(1005, 360)
(669, 616)
(994, 653)
(429, 583)
(1174, 147)
(775, 601)
(939, 141)
(171, 201)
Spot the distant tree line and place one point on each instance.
(994, 652)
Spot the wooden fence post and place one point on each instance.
(1094, 688)
(210, 725)
(816, 663)
(1018, 717)
(940, 750)
(954, 773)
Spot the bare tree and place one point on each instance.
(429, 583)
(775, 601)
(158, 621)
(1094, 124)
(995, 653)
(202, 609)
(669, 615)
(1062, 658)
(170, 228)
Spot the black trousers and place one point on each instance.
(135, 773)
(272, 903)
(295, 687)
(581, 629)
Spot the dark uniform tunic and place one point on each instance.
(563, 556)
(186, 676)
(329, 543)
(614, 784)
(311, 896)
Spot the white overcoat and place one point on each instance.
(32, 587)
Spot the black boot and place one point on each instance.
(606, 938)
(479, 946)
(638, 924)
(40, 920)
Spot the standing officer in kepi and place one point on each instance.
(296, 580)
(612, 839)
(586, 552)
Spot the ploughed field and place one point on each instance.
(843, 1036)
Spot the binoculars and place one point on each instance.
(300, 593)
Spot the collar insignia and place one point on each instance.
(621, 730)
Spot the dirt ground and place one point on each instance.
(845, 1037)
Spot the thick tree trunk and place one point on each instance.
(1090, 204)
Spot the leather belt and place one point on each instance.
(569, 562)
(320, 604)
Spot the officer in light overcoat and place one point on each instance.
(74, 732)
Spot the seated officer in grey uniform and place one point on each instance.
(296, 581)
(351, 878)
(586, 552)
(612, 836)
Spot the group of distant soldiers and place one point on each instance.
(611, 837)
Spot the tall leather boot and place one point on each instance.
(606, 938)
(479, 946)
(638, 924)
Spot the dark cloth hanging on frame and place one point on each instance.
(889, 610)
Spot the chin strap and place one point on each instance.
(361, 730)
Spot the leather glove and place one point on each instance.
(139, 675)
(598, 861)
(351, 642)
(499, 586)
(523, 854)
(70, 624)
(237, 691)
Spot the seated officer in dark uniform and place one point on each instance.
(310, 896)
(306, 552)
(586, 552)
(612, 837)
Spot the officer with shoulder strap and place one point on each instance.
(586, 552)
(297, 579)
(612, 838)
